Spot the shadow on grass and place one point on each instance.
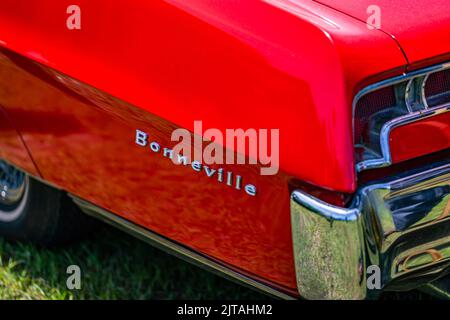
(115, 266)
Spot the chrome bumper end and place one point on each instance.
(395, 236)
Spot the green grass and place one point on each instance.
(114, 266)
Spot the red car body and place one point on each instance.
(71, 101)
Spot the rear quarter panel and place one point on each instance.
(250, 64)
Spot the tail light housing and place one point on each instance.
(402, 118)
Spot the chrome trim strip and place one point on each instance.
(415, 94)
(408, 95)
(175, 249)
(398, 79)
(328, 211)
(386, 159)
(422, 91)
(396, 225)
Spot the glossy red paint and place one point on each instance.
(218, 62)
(160, 65)
(420, 138)
(420, 27)
(83, 141)
(12, 147)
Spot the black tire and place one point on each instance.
(42, 214)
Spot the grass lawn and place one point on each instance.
(114, 266)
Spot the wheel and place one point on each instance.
(33, 211)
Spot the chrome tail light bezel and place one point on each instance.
(412, 87)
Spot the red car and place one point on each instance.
(355, 94)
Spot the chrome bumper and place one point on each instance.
(400, 228)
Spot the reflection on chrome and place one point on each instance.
(403, 226)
